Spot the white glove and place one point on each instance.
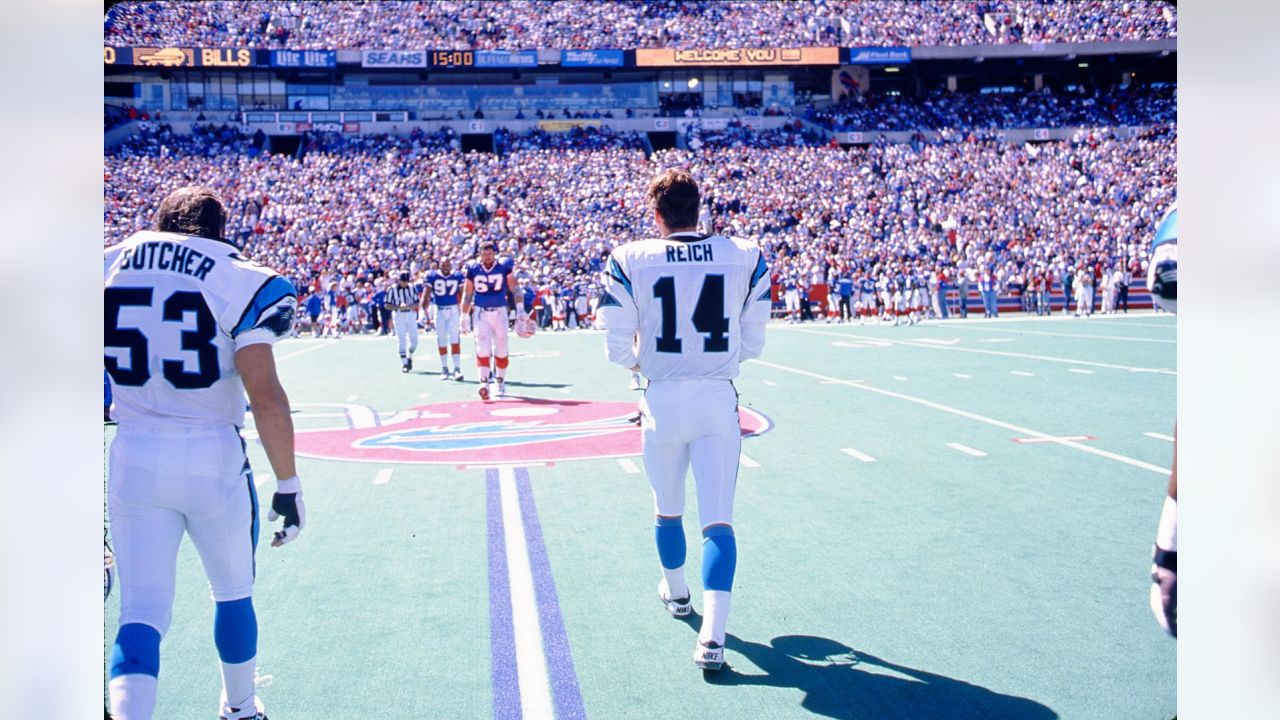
(287, 503)
(464, 323)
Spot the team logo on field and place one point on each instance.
(479, 433)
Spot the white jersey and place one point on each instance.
(177, 308)
(688, 306)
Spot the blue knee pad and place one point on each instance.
(719, 558)
(235, 630)
(136, 651)
(669, 534)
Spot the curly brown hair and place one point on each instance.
(192, 210)
(674, 194)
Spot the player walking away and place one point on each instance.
(189, 328)
(489, 279)
(403, 300)
(444, 288)
(685, 310)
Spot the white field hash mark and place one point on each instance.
(1159, 436)
(1021, 373)
(857, 455)
(531, 667)
(971, 416)
(383, 477)
(628, 466)
(966, 449)
(1080, 371)
(748, 462)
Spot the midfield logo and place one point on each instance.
(504, 432)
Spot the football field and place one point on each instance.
(951, 520)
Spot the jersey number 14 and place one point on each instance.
(708, 315)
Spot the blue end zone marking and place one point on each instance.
(555, 642)
(502, 639)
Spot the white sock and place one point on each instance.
(715, 611)
(676, 586)
(501, 373)
(457, 363)
(133, 697)
(237, 684)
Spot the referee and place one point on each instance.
(403, 301)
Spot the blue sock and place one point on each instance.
(669, 534)
(719, 558)
(136, 651)
(235, 630)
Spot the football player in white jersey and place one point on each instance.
(685, 310)
(189, 328)
(1162, 279)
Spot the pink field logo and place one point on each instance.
(511, 432)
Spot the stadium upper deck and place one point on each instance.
(632, 24)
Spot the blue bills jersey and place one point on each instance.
(445, 288)
(490, 282)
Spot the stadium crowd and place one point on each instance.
(525, 24)
(1116, 107)
(966, 208)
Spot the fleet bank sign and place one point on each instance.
(184, 57)
(591, 58)
(737, 57)
(879, 56)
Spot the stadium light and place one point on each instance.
(1082, 65)
(891, 69)
(693, 83)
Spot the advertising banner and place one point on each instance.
(878, 56)
(506, 58)
(304, 58)
(566, 125)
(737, 57)
(183, 57)
(393, 58)
(591, 58)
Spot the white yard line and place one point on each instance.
(1159, 436)
(966, 449)
(628, 466)
(962, 376)
(973, 416)
(1001, 353)
(1021, 373)
(856, 455)
(1064, 335)
(282, 358)
(531, 665)
(748, 462)
(1080, 371)
(383, 477)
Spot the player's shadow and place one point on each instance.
(517, 383)
(840, 682)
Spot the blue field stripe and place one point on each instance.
(555, 641)
(502, 638)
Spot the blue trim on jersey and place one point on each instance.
(607, 300)
(766, 296)
(1167, 231)
(235, 630)
(136, 651)
(615, 271)
(668, 534)
(719, 558)
(762, 269)
(271, 292)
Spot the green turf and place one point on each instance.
(926, 584)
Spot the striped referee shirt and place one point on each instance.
(403, 298)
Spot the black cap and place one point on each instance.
(404, 277)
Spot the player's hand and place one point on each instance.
(287, 503)
(1164, 591)
(464, 323)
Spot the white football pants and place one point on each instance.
(491, 332)
(406, 330)
(162, 482)
(446, 325)
(692, 422)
